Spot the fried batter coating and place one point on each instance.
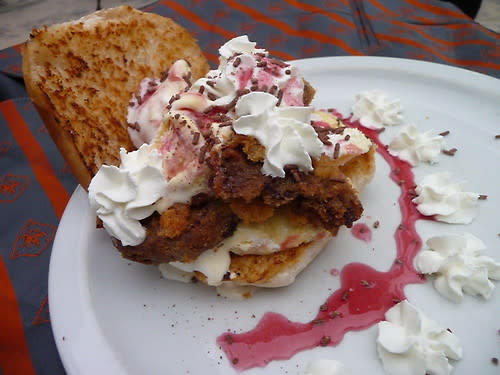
(174, 220)
(206, 227)
(252, 212)
(234, 176)
(327, 200)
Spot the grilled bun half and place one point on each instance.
(80, 76)
(219, 217)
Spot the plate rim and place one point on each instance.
(102, 348)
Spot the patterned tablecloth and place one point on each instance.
(36, 183)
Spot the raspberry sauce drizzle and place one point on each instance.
(361, 301)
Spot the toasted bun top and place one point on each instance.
(80, 75)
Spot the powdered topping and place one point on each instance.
(148, 107)
(409, 343)
(122, 196)
(326, 367)
(285, 133)
(415, 147)
(438, 196)
(458, 266)
(375, 109)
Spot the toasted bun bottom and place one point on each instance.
(249, 271)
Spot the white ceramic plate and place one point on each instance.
(110, 316)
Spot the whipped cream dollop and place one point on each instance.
(212, 263)
(285, 132)
(416, 147)
(457, 263)
(122, 196)
(244, 68)
(238, 45)
(326, 367)
(409, 343)
(438, 196)
(149, 105)
(350, 142)
(375, 109)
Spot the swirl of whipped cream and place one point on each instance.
(374, 109)
(415, 147)
(240, 44)
(326, 367)
(458, 266)
(122, 196)
(446, 201)
(244, 67)
(285, 133)
(409, 343)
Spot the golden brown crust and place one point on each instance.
(80, 75)
(251, 212)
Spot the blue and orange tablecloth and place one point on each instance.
(35, 182)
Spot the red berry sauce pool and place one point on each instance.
(361, 301)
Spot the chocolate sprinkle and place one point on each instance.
(318, 321)
(201, 89)
(196, 138)
(347, 137)
(280, 97)
(211, 83)
(323, 307)
(225, 123)
(273, 89)
(325, 340)
(497, 136)
(494, 360)
(280, 63)
(261, 64)
(174, 98)
(163, 75)
(336, 150)
(235, 361)
(376, 224)
(203, 151)
(380, 130)
(334, 314)
(229, 339)
(176, 116)
(211, 96)
(482, 197)
(135, 126)
(345, 295)
(236, 62)
(450, 152)
(295, 175)
(445, 133)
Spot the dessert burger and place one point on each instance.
(232, 179)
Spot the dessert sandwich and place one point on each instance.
(228, 176)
